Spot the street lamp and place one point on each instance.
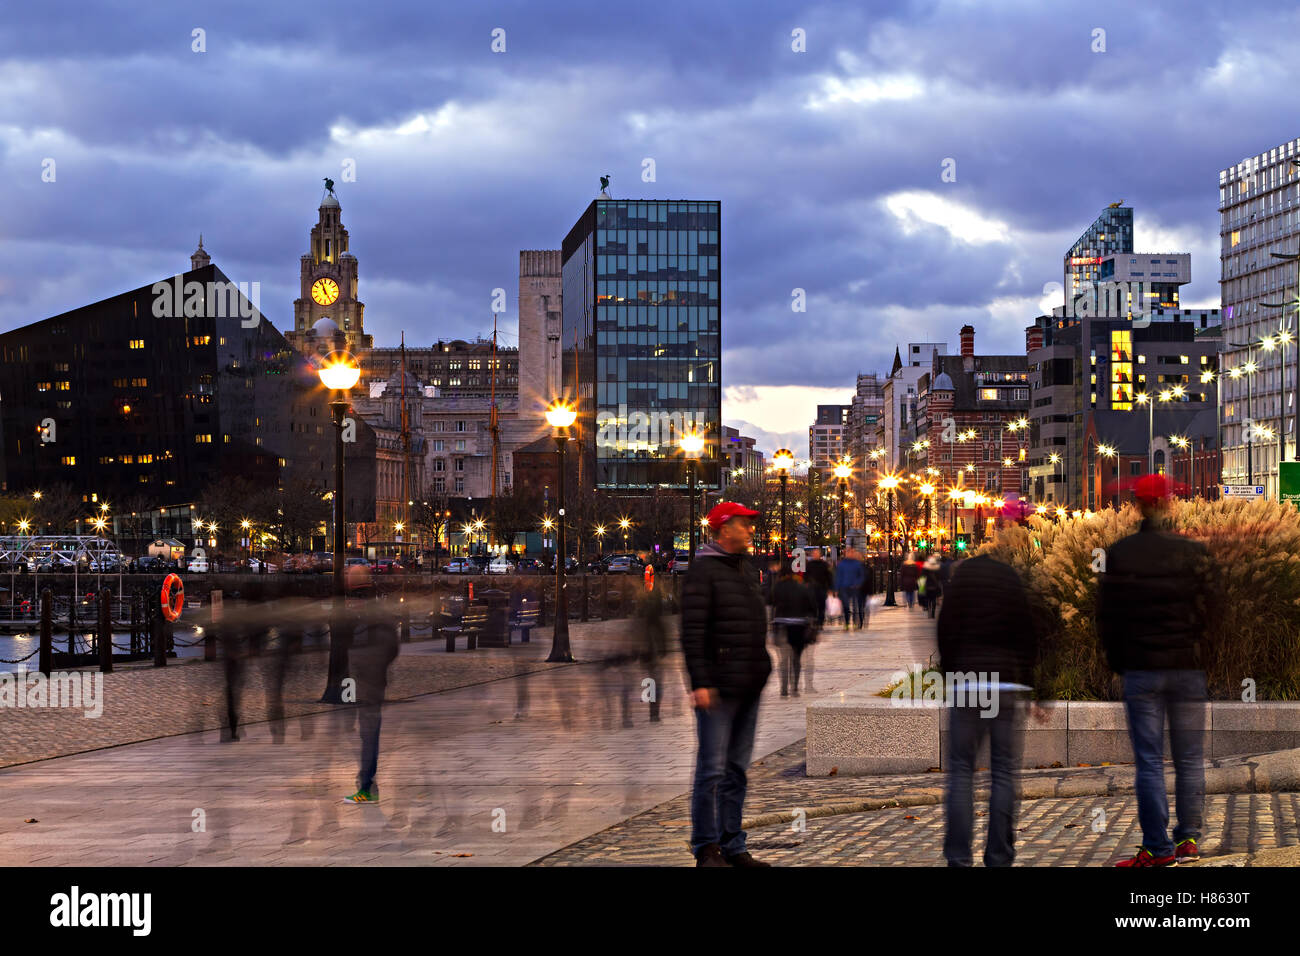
(927, 492)
(338, 373)
(1054, 459)
(692, 445)
(625, 523)
(1286, 336)
(783, 461)
(600, 538)
(842, 472)
(561, 416)
(889, 483)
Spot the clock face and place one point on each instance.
(324, 291)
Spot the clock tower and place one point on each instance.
(329, 289)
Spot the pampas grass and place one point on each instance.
(1253, 602)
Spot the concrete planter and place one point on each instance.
(856, 732)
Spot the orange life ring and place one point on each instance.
(649, 577)
(172, 603)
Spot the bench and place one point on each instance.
(525, 619)
(471, 625)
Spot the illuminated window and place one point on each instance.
(1182, 360)
(1121, 370)
(988, 394)
(203, 439)
(1236, 236)
(63, 386)
(1142, 360)
(69, 459)
(137, 343)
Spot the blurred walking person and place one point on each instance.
(794, 610)
(850, 582)
(909, 576)
(373, 649)
(987, 649)
(724, 638)
(817, 576)
(932, 582)
(1151, 618)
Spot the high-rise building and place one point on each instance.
(328, 296)
(1111, 233)
(642, 305)
(828, 438)
(540, 329)
(742, 462)
(1259, 216)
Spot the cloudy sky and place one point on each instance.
(828, 161)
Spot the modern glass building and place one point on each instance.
(1110, 233)
(642, 339)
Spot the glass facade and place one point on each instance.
(642, 338)
(1110, 233)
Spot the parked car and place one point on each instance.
(679, 562)
(528, 566)
(322, 562)
(455, 566)
(625, 564)
(388, 566)
(356, 563)
(597, 566)
(255, 566)
(500, 565)
(198, 566)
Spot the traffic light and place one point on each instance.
(961, 545)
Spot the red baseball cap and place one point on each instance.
(1152, 488)
(721, 513)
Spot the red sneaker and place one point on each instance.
(1146, 858)
(1187, 852)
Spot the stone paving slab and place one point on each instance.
(904, 822)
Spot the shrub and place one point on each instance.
(1253, 618)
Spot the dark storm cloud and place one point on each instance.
(827, 162)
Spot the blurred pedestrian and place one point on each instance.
(987, 640)
(794, 611)
(724, 638)
(909, 576)
(1151, 618)
(932, 582)
(850, 580)
(817, 576)
(374, 647)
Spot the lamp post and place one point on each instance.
(1290, 257)
(560, 416)
(889, 483)
(338, 374)
(692, 445)
(625, 523)
(1055, 460)
(783, 461)
(927, 491)
(600, 540)
(842, 472)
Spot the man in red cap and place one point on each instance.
(1151, 619)
(724, 639)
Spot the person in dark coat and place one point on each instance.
(817, 576)
(794, 610)
(850, 582)
(909, 576)
(932, 578)
(987, 648)
(1151, 619)
(724, 641)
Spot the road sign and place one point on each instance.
(1242, 491)
(1289, 484)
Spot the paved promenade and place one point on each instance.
(498, 758)
(463, 780)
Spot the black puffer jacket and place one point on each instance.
(1150, 603)
(724, 624)
(985, 623)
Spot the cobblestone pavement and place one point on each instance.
(1081, 831)
(498, 772)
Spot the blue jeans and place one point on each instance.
(1148, 695)
(726, 736)
(966, 729)
(909, 597)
